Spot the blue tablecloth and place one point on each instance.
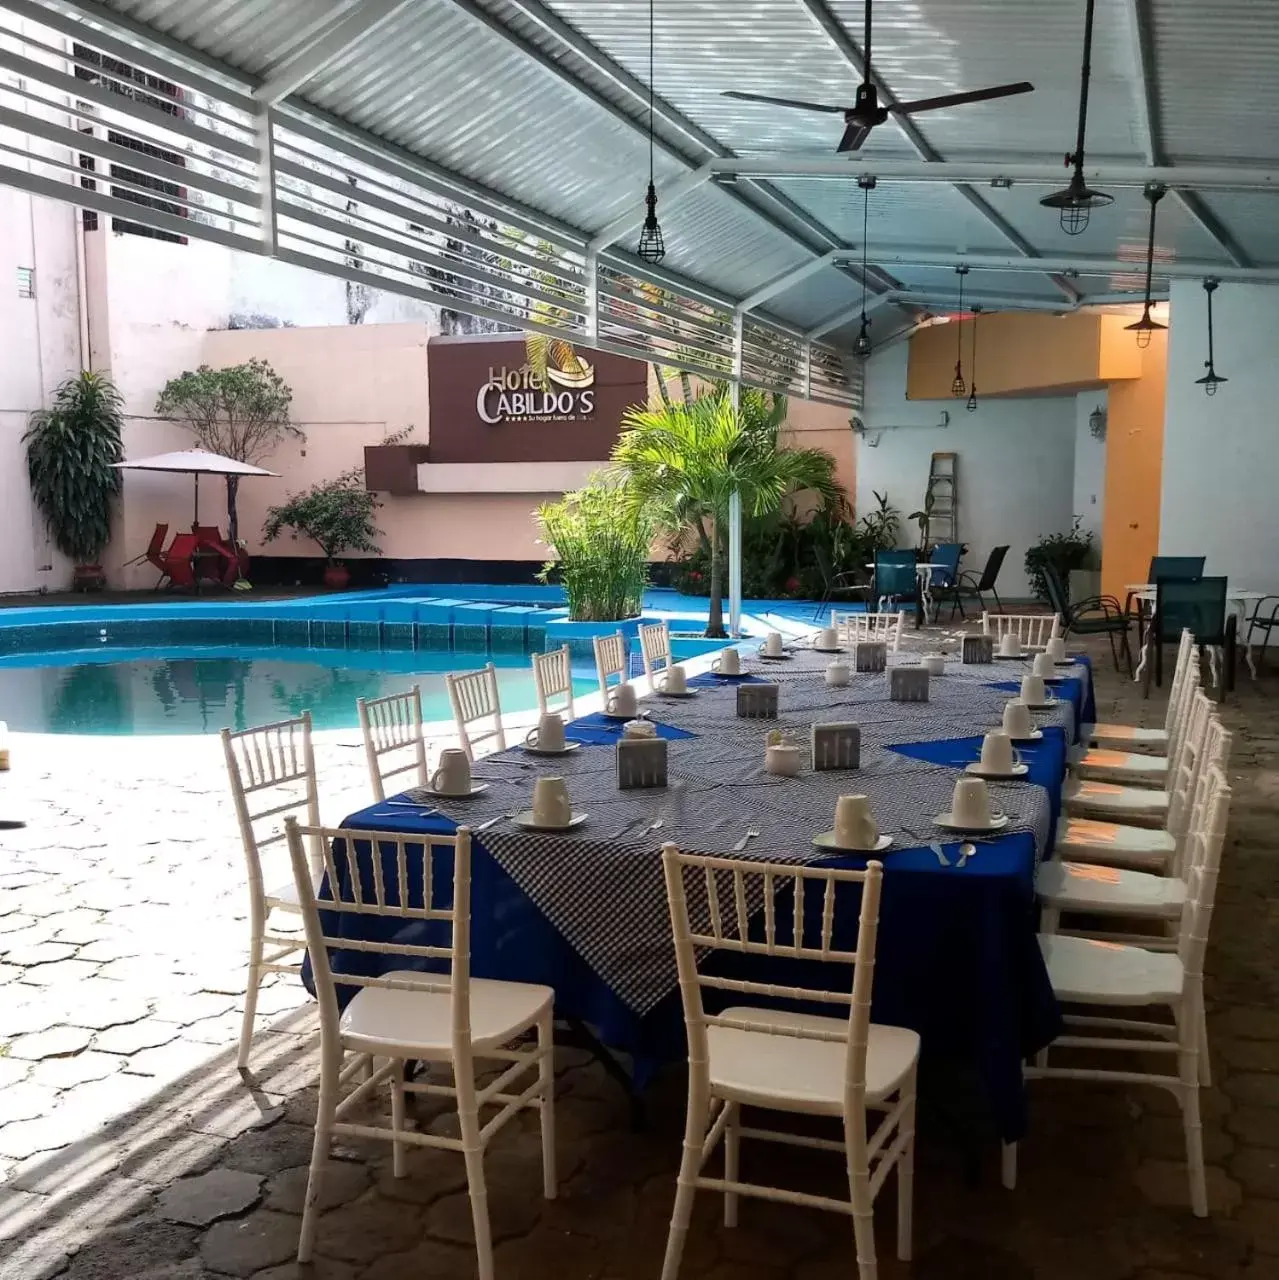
(599, 730)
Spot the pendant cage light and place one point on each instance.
(1212, 379)
(958, 386)
(652, 245)
(971, 406)
(1146, 327)
(862, 347)
(1075, 202)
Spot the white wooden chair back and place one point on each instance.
(553, 678)
(272, 773)
(400, 880)
(1186, 678)
(1034, 630)
(655, 648)
(1206, 743)
(394, 741)
(612, 658)
(1201, 880)
(853, 628)
(475, 701)
(1210, 777)
(725, 893)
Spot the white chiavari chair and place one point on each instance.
(855, 626)
(271, 769)
(612, 658)
(400, 1014)
(1084, 971)
(655, 648)
(394, 741)
(1156, 740)
(1034, 630)
(553, 678)
(475, 701)
(750, 1056)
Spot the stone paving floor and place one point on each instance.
(131, 1147)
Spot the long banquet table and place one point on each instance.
(585, 911)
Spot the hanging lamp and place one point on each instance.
(651, 247)
(1146, 326)
(957, 387)
(862, 347)
(971, 406)
(1211, 380)
(1076, 200)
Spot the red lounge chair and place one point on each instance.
(154, 553)
(177, 560)
(215, 561)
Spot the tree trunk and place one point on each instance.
(232, 520)
(715, 609)
(660, 374)
(686, 385)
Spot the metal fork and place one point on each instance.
(751, 833)
(934, 845)
(492, 822)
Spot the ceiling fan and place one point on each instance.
(866, 113)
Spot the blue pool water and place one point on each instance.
(201, 689)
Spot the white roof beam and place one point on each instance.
(787, 280)
(846, 314)
(851, 52)
(1145, 76)
(328, 44)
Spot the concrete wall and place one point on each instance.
(1016, 464)
(1221, 454)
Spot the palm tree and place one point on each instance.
(685, 461)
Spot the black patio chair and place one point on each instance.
(1096, 616)
(968, 583)
(1199, 606)
(1264, 621)
(835, 585)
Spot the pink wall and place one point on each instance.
(352, 386)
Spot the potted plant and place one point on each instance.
(1064, 551)
(337, 515)
(71, 449)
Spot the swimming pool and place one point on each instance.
(195, 689)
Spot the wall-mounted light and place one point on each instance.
(1097, 423)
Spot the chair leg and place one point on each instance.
(685, 1186)
(326, 1108)
(732, 1147)
(1201, 1022)
(862, 1203)
(546, 1078)
(1188, 1061)
(258, 927)
(999, 604)
(397, 1123)
(906, 1179)
(473, 1152)
(1008, 1165)
(1114, 649)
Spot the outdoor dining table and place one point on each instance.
(584, 911)
(1237, 599)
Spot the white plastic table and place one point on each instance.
(924, 580)
(1237, 598)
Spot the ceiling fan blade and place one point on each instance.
(785, 102)
(853, 137)
(960, 99)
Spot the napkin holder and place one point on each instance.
(908, 684)
(870, 655)
(979, 649)
(757, 701)
(641, 762)
(837, 746)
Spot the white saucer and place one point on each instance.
(774, 657)
(998, 822)
(525, 820)
(1012, 657)
(728, 675)
(827, 841)
(551, 751)
(836, 649)
(688, 693)
(623, 715)
(476, 788)
(1036, 735)
(1017, 771)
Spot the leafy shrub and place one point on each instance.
(1064, 552)
(337, 515)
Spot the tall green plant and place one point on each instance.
(1064, 552)
(337, 515)
(71, 447)
(602, 541)
(685, 461)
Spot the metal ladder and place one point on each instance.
(943, 489)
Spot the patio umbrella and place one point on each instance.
(198, 462)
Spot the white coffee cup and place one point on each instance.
(1043, 664)
(549, 733)
(1010, 645)
(838, 674)
(998, 755)
(855, 826)
(729, 663)
(773, 644)
(452, 776)
(1056, 649)
(1017, 721)
(934, 664)
(1056, 630)
(550, 803)
(827, 638)
(1033, 692)
(639, 729)
(970, 803)
(783, 759)
(622, 700)
(673, 680)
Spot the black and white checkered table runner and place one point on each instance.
(601, 886)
